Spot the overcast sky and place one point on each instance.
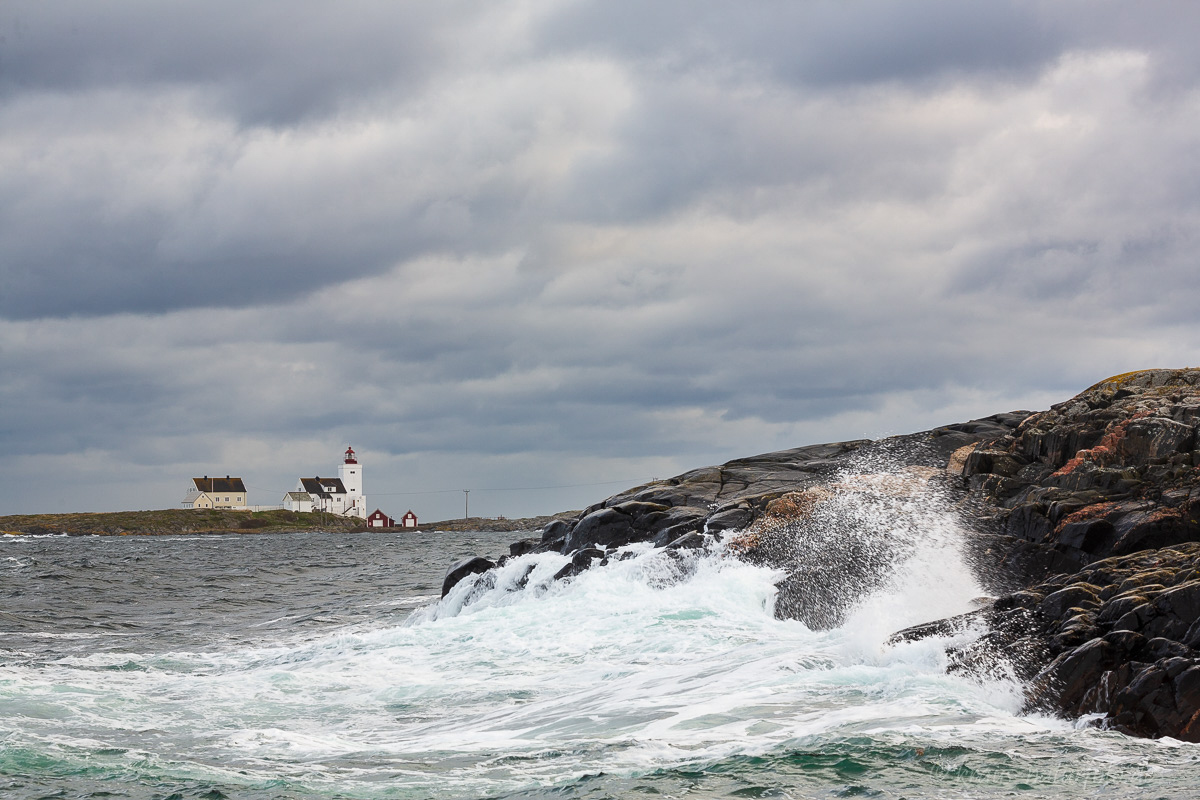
(502, 246)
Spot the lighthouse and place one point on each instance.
(350, 473)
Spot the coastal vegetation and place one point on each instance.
(166, 522)
(175, 521)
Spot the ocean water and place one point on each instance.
(325, 666)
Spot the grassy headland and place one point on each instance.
(175, 521)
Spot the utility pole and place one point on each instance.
(466, 503)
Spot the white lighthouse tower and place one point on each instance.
(350, 473)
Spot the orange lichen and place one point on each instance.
(745, 541)
(797, 504)
(1070, 466)
(1117, 380)
(1107, 451)
(1094, 511)
(780, 512)
(1029, 422)
(1165, 514)
(1170, 383)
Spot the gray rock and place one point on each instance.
(733, 518)
(689, 541)
(524, 546)
(1089, 536)
(607, 527)
(1156, 438)
(1102, 489)
(461, 569)
(579, 562)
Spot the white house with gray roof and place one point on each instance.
(298, 501)
(342, 495)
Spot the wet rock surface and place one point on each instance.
(1092, 508)
(461, 569)
(734, 495)
(771, 497)
(1117, 639)
(1109, 472)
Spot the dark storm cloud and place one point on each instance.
(835, 44)
(201, 155)
(94, 220)
(821, 43)
(152, 169)
(538, 243)
(83, 216)
(269, 63)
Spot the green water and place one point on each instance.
(313, 666)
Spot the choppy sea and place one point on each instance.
(326, 666)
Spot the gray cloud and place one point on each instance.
(826, 44)
(508, 245)
(273, 64)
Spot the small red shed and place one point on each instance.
(378, 519)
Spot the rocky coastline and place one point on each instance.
(1094, 503)
(1082, 519)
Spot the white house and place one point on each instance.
(298, 501)
(197, 499)
(342, 495)
(209, 492)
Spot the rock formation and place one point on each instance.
(735, 494)
(1084, 517)
(1104, 491)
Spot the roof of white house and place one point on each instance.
(226, 484)
(323, 487)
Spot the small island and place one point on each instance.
(173, 522)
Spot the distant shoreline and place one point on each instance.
(174, 522)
